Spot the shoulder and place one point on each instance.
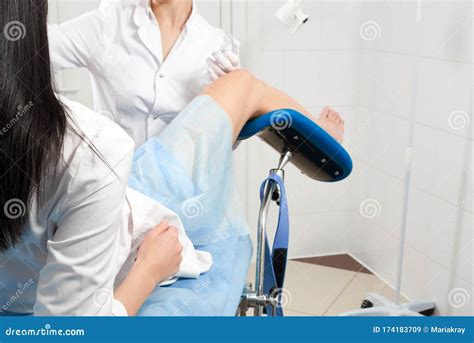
(215, 35)
(118, 8)
(117, 4)
(92, 139)
(199, 20)
(120, 14)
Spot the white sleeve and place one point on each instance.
(118, 309)
(75, 43)
(78, 278)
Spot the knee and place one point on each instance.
(247, 80)
(242, 76)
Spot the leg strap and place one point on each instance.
(275, 259)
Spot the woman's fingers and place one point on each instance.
(174, 232)
(159, 229)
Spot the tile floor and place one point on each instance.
(315, 290)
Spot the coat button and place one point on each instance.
(155, 116)
(161, 75)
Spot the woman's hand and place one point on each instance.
(160, 252)
(158, 258)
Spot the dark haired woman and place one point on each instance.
(68, 225)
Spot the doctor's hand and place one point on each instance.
(159, 254)
(225, 60)
(222, 63)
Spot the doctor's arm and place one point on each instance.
(75, 43)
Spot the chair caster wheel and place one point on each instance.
(366, 304)
(428, 312)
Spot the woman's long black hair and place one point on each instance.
(33, 121)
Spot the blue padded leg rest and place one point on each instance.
(216, 293)
(315, 152)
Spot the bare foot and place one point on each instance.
(332, 123)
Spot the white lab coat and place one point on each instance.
(84, 237)
(120, 44)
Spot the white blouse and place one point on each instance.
(84, 236)
(120, 44)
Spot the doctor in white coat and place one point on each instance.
(147, 59)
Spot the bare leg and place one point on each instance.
(244, 97)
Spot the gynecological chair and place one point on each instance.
(300, 141)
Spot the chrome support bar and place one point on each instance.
(262, 224)
(284, 159)
(257, 299)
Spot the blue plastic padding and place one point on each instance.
(317, 154)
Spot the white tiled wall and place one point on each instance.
(418, 62)
(391, 86)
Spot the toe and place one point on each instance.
(325, 112)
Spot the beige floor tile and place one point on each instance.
(290, 313)
(311, 289)
(356, 292)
